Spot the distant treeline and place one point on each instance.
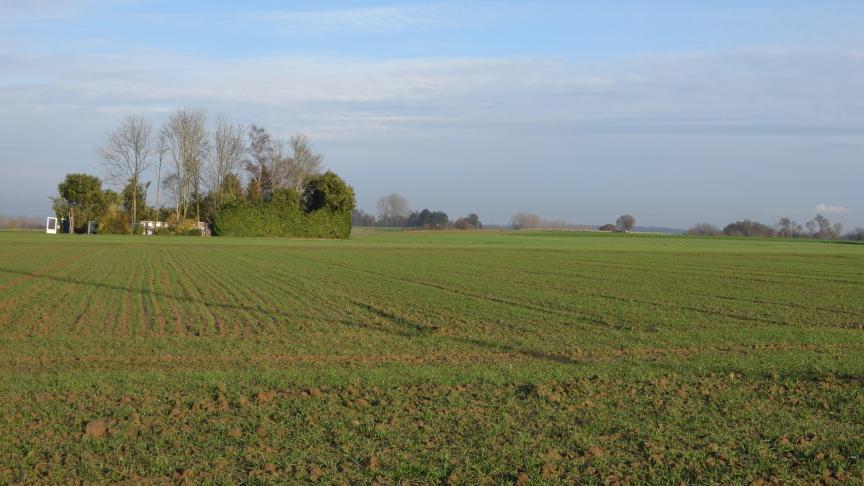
(394, 211)
(20, 222)
(819, 227)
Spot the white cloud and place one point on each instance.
(827, 208)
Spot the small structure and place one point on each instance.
(203, 228)
(152, 226)
(51, 226)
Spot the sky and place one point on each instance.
(677, 112)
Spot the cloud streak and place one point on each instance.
(828, 208)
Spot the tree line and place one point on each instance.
(200, 167)
(819, 227)
(394, 211)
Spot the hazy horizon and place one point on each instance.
(676, 112)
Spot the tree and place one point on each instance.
(134, 198)
(625, 223)
(704, 229)
(185, 135)
(472, 221)
(300, 167)
(329, 192)
(361, 218)
(225, 159)
(81, 193)
(837, 230)
(786, 228)
(231, 188)
(855, 235)
(260, 155)
(125, 153)
(824, 226)
(748, 228)
(812, 228)
(393, 210)
(161, 149)
(525, 220)
(428, 219)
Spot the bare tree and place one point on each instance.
(525, 220)
(625, 222)
(837, 230)
(161, 148)
(393, 210)
(125, 153)
(261, 152)
(786, 228)
(704, 229)
(824, 225)
(186, 142)
(303, 163)
(227, 154)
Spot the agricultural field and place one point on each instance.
(425, 357)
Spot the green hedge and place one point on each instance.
(280, 220)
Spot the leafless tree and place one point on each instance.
(786, 228)
(303, 163)
(160, 149)
(228, 148)
(837, 230)
(261, 152)
(393, 210)
(125, 154)
(704, 229)
(525, 220)
(187, 145)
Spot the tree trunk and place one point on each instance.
(134, 204)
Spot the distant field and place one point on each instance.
(474, 357)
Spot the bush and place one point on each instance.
(329, 192)
(748, 228)
(329, 202)
(114, 222)
(185, 227)
(704, 229)
(274, 220)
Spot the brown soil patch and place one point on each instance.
(96, 428)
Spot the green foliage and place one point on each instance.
(231, 188)
(329, 192)
(280, 220)
(184, 227)
(140, 197)
(113, 221)
(428, 219)
(286, 199)
(80, 194)
(329, 202)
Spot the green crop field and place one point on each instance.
(422, 357)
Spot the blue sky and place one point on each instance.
(675, 111)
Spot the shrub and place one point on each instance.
(245, 219)
(329, 202)
(114, 222)
(329, 192)
(704, 229)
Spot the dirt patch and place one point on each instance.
(96, 429)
